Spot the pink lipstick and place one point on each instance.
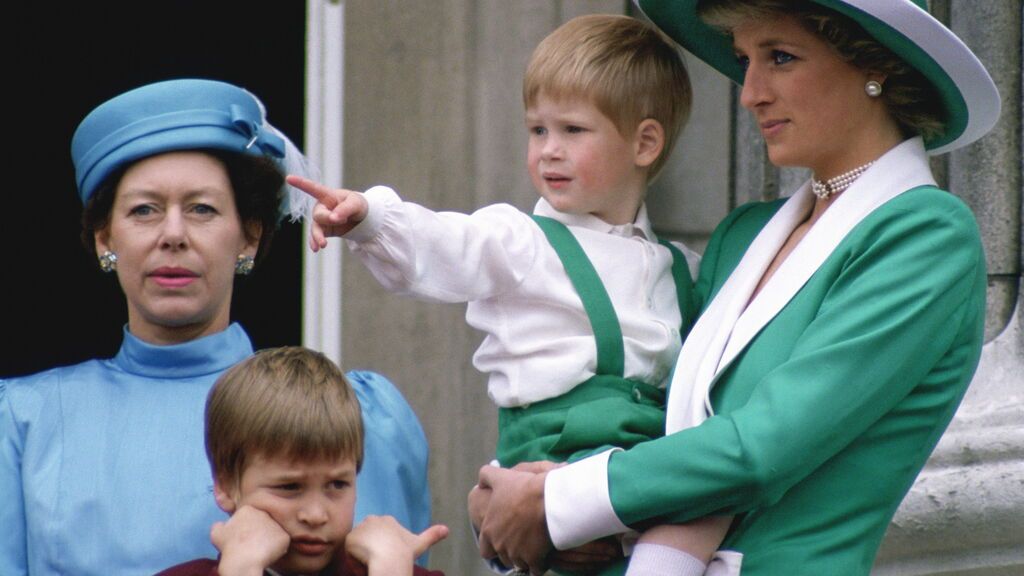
(172, 276)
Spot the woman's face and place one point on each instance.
(177, 234)
(810, 105)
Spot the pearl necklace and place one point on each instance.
(832, 186)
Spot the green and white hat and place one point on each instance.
(968, 94)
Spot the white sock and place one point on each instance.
(657, 560)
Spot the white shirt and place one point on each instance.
(538, 340)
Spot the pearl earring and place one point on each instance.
(873, 89)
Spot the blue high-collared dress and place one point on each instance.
(103, 468)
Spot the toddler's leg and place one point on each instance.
(678, 549)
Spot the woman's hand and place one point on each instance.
(513, 527)
(337, 210)
(537, 467)
(479, 498)
(477, 502)
(249, 541)
(387, 548)
(588, 558)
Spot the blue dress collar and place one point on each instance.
(206, 355)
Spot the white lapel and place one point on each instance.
(728, 324)
(699, 359)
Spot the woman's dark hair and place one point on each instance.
(256, 182)
(912, 100)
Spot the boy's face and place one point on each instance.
(312, 501)
(580, 163)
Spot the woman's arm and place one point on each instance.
(13, 546)
(906, 298)
(910, 283)
(393, 479)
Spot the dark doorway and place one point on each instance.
(61, 60)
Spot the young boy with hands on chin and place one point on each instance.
(284, 437)
(605, 97)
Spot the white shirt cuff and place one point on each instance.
(577, 503)
(377, 199)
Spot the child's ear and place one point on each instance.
(650, 141)
(223, 493)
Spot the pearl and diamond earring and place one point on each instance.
(244, 265)
(108, 261)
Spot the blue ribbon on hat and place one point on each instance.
(266, 140)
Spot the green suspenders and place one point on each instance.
(611, 354)
(607, 409)
(603, 320)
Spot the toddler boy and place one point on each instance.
(605, 98)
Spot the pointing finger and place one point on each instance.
(323, 194)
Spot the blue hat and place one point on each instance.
(167, 116)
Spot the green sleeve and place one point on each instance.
(884, 314)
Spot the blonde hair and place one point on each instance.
(290, 402)
(627, 68)
(912, 101)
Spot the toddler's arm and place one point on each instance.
(248, 542)
(437, 256)
(387, 548)
(336, 212)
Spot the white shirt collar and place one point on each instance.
(641, 226)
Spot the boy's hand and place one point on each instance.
(336, 212)
(248, 542)
(387, 548)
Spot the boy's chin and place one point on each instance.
(294, 564)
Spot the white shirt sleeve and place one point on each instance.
(444, 256)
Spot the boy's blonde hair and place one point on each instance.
(627, 68)
(290, 402)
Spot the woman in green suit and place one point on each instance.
(840, 326)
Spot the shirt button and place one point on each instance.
(637, 395)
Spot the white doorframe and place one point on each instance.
(322, 274)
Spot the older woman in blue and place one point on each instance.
(102, 467)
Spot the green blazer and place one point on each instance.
(828, 407)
